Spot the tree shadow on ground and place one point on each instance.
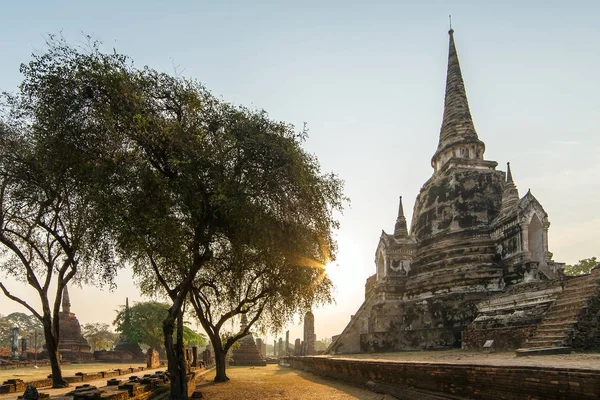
(281, 382)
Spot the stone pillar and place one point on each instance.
(275, 347)
(547, 253)
(152, 358)
(23, 348)
(263, 349)
(287, 343)
(15, 343)
(525, 237)
(297, 347)
(195, 356)
(309, 334)
(280, 348)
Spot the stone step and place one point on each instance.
(581, 293)
(575, 298)
(584, 283)
(554, 316)
(530, 343)
(542, 351)
(565, 308)
(556, 324)
(547, 338)
(563, 330)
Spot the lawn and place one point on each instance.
(31, 374)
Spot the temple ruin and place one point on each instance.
(72, 344)
(475, 265)
(248, 353)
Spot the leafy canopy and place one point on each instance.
(582, 267)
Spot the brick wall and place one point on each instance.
(472, 381)
(504, 338)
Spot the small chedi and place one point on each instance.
(475, 265)
(124, 345)
(124, 350)
(72, 344)
(247, 353)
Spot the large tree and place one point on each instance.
(273, 268)
(49, 230)
(99, 335)
(178, 176)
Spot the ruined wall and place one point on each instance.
(466, 381)
(113, 356)
(511, 317)
(431, 323)
(586, 333)
(349, 340)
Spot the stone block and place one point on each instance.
(191, 383)
(7, 388)
(133, 388)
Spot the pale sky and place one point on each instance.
(368, 78)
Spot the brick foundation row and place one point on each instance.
(18, 385)
(472, 381)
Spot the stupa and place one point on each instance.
(248, 353)
(72, 345)
(125, 345)
(475, 264)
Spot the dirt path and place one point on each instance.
(275, 382)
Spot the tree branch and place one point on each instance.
(21, 302)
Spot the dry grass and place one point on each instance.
(275, 382)
(31, 374)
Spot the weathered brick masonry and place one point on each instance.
(470, 381)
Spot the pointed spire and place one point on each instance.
(457, 124)
(400, 209)
(400, 229)
(510, 193)
(127, 321)
(243, 322)
(66, 302)
(509, 178)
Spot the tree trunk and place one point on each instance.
(175, 359)
(220, 366)
(52, 346)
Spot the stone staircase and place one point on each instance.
(558, 326)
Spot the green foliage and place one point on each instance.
(144, 326)
(192, 338)
(321, 345)
(99, 336)
(582, 267)
(28, 325)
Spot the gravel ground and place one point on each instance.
(275, 382)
